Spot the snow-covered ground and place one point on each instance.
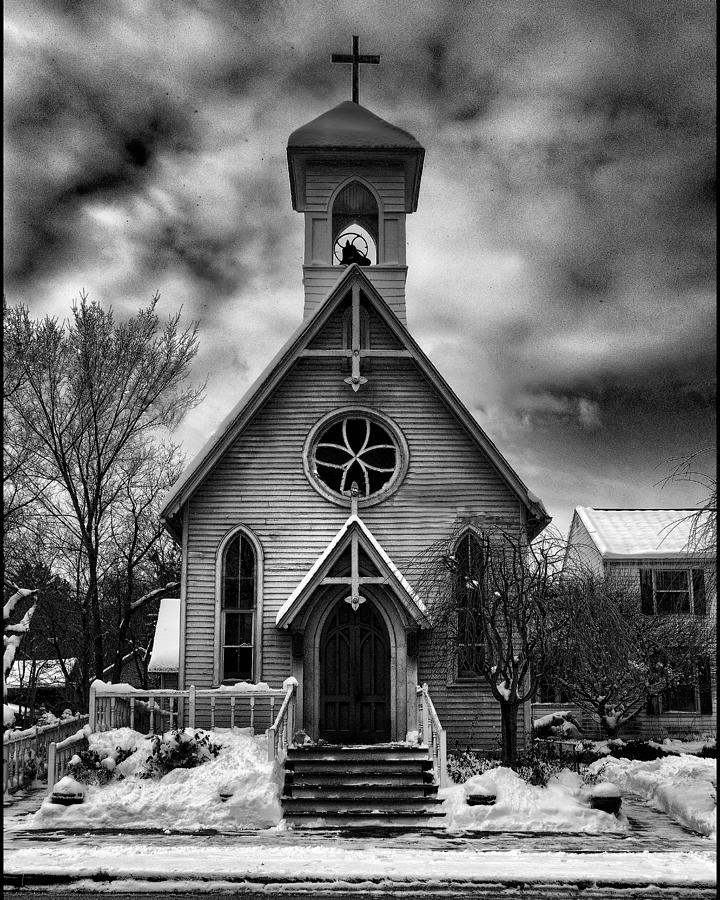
(683, 786)
(184, 799)
(561, 806)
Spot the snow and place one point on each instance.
(165, 655)
(562, 806)
(184, 799)
(670, 745)
(683, 786)
(327, 865)
(648, 533)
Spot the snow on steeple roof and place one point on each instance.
(350, 126)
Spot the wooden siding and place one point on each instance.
(260, 483)
(331, 336)
(388, 181)
(389, 280)
(582, 549)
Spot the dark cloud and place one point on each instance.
(562, 257)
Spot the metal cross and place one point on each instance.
(356, 59)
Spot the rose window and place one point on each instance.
(356, 450)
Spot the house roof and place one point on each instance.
(635, 533)
(260, 391)
(49, 672)
(165, 655)
(394, 577)
(350, 126)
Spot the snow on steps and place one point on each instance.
(382, 784)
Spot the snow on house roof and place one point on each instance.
(46, 672)
(165, 655)
(350, 125)
(634, 533)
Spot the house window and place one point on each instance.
(694, 696)
(468, 576)
(239, 589)
(672, 591)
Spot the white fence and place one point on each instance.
(433, 734)
(25, 753)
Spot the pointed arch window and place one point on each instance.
(355, 212)
(238, 604)
(468, 581)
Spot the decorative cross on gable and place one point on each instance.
(356, 60)
(356, 352)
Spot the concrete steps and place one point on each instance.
(387, 784)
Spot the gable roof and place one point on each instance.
(281, 364)
(636, 533)
(394, 577)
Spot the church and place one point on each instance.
(347, 457)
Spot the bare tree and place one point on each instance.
(490, 590)
(613, 656)
(94, 393)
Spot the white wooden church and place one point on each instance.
(348, 456)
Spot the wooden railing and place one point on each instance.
(433, 734)
(26, 753)
(153, 711)
(60, 754)
(280, 733)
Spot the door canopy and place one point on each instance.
(353, 559)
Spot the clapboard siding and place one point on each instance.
(582, 552)
(260, 483)
(322, 181)
(389, 280)
(331, 335)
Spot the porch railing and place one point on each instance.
(60, 754)
(26, 753)
(281, 732)
(152, 711)
(432, 733)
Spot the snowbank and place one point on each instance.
(184, 799)
(562, 806)
(683, 786)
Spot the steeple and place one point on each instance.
(355, 177)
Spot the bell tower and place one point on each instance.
(355, 177)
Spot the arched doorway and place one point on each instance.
(354, 676)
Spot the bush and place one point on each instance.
(639, 750)
(178, 750)
(463, 764)
(538, 763)
(91, 767)
(708, 752)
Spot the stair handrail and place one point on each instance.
(280, 733)
(433, 734)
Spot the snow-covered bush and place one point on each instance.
(538, 763)
(94, 767)
(178, 750)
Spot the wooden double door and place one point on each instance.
(354, 676)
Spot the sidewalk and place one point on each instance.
(336, 863)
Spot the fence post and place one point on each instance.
(51, 758)
(443, 758)
(191, 706)
(92, 709)
(271, 743)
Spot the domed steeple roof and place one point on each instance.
(350, 126)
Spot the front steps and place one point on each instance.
(388, 784)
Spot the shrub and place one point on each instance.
(639, 750)
(91, 767)
(178, 750)
(538, 763)
(463, 764)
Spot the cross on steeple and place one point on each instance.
(356, 59)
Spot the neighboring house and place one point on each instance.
(285, 572)
(165, 656)
(132, 668)
(43, 682)
(652, 548)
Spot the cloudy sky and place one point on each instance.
(561, 261)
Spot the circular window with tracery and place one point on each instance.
(356, 447)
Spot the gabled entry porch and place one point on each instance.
(354, 621)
